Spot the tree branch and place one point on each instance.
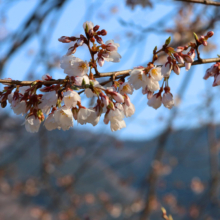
(117, 74)
(204, 2)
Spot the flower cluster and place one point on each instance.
(57, 103)
(214, 71)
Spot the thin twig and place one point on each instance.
(204, 2)
(118, 74)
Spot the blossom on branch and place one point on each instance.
(60, 102)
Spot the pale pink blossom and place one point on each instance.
(126, 88)
(176, 69)
(48, 100)
(64, 118)
(155, 101)
(18, 106)
(79, 79)
(137, 78)
(113, 55)
(87, 115)
(88, 92)
(167, 100)
(88, 25)
(73, 66)
(101, 61)
(71, 98)
(32, 124)
(213, 70)
(179, 58)
(156, 74)
(50, 123)
(166, 69)
(117, 97)
(216, 80)
(129, 110)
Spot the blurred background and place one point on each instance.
(166, 158)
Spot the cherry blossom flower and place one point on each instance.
(155, 101)
(176, 69)
(166, 69)
(167, 100)
(179, 58)
(126, 88)
(117, 96)
(151, 85)
(117, 124)
(71, 98)
(18, 106)
(64, 118)
(104, 99)
(213, 70)
(116, 119)
(50, 123)
(216, 80)
(137, 78)
(74, 66)
(88, 92)
(88, 25)
(111, 55)
(79, 79)
(101, 61)
(155, 73)
(128, 107)
(48, 100)
(32, 124)
(87, 115)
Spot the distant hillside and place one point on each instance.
(108, 177)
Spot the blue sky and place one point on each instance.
(146, 122)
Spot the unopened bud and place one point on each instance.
(103, 32)
(3, 104)
(64, 39)
(96, 28)
(210, 34)
(92, 39)
(99, 40)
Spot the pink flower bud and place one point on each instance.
(210, 34)
(101, 61)
(187, 58)
(71, 50)
(176, 69)
(104, 99)
(216, 80)
(179, 49)
(111, 47)
(80, 42)
(46, 77)
(99, 40)
(127, 100)
(179, 58)
(155, 101)
(117, 97)
(149, 94)
(187, 66)
(64, 39)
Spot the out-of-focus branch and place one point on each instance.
(117, 74)
(204, 2)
